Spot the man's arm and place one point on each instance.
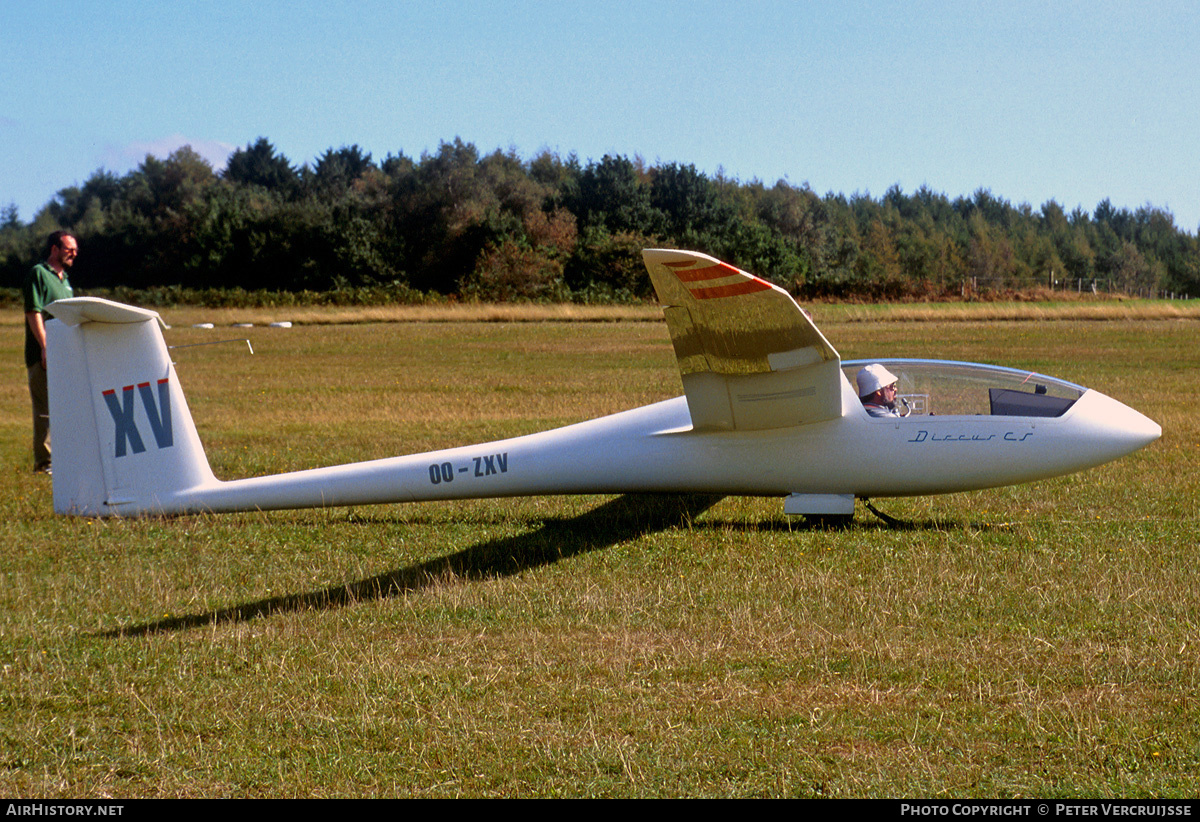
(38, 326)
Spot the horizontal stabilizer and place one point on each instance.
(79, 310)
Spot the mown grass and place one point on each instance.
(1036, 640)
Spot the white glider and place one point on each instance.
(768, 410)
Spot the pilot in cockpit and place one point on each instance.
(877, 391)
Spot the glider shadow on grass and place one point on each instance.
(620, 520)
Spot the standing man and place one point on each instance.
(46, 283)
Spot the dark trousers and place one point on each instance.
(41, 417)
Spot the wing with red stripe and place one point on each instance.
(749, 357)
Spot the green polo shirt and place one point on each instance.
(41, 288)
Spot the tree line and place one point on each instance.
(497, 227)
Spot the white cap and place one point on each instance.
(874, 377)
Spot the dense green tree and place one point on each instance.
(259, 164)
(396, 166)
(337, 170)
(877, 266)
(444, 214)
(510, 270)
(687, 201)
(612, 196)
(560, 176)
(608, 265)
(161, 188)
(492, 226)
(16, 252)
(1131, 272)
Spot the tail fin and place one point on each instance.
(124, 440)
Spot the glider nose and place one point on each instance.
(1124, 430)
(1143, 430)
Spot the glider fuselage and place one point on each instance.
(655, 449)
(768, 410)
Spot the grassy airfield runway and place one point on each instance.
(1040, 640)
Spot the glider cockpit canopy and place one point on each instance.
(943, 388)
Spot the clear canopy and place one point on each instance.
(945, 387)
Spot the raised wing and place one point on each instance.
(749, 357)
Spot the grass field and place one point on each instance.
(1040, 640)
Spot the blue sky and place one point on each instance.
(1072, 101)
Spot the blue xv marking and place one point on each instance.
(158, 413)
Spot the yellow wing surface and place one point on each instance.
(749, 357)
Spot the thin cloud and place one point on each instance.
(130, 154)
